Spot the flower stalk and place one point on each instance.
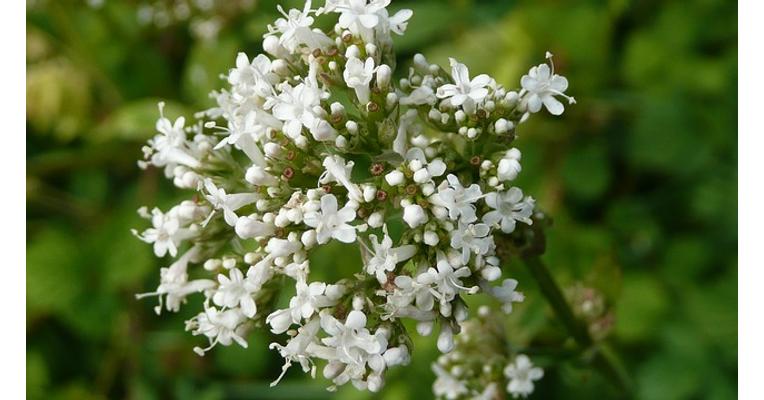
(602, 356)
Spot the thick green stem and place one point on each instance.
(603, 357)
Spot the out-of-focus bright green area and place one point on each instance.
(640, 177)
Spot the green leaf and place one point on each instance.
(640, 309)
(586, 172)
(36, 376)
(53, 279)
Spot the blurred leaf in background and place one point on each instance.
(639, 177)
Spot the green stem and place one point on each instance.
(603, 357)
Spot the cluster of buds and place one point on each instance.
(315, 142)
(589, 306)
(482, 364)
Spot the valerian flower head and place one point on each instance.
(314, 142)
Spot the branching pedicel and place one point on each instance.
(280, 177)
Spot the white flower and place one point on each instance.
(521, 374)
(411, 291)
(355, 348)
(253, 78)
(505, 293)
(298, 348)
(358, 12)
(447, 281)
(446, 385)
(174, 283)
(244, 130)
(229, 203)
(358, 75)
(541, 85)
(414, 215)
(295, 30)
(166, 235)
(458, 199)
(337, 170)
(508, 207)
(385, 257)
(464, 91)
(331, 222)
(222, 327)
(425, 170)
(170, 147)
(398, 22)
(305, 303)
(234, 290)
(471, 238)
(294, 106)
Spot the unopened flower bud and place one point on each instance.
(490, 273)
(424, 328)
(375, 220)
(337, 108)
(212, 264)
(229, 263)
(446, 339)
(352, 127)
(256, 175)
(428, 189)
(396, 356)
(280, 67)
(508, 169)
(323, 131)
(272, 46)
(420, 62)
(394, 178)
(414, 215)
(272, 149)
(501, 126)
(371, 49)
(301, 142)
(391, 100)
(341, 142)
(431, 238)
(358, 303)
(353, 52)
(369, 193)
(247, 227)
(383, 76)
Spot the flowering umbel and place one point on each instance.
(276, 168)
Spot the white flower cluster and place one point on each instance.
(479, 367)
(315, 142)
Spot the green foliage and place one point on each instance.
(639, 179)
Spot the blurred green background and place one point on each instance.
(640, 177)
